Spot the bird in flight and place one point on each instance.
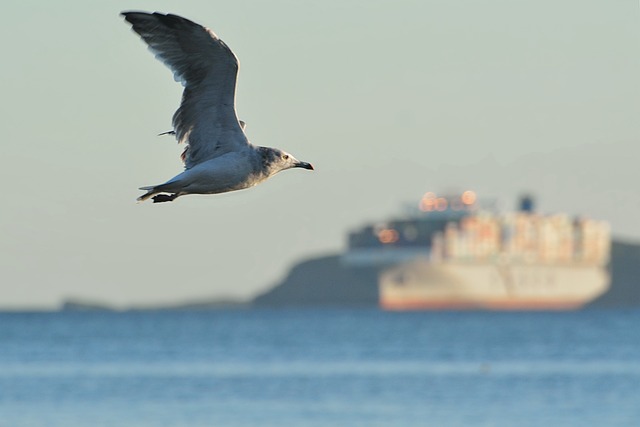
(218, 157)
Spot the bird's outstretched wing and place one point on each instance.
(206, 67)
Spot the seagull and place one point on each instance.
(218, 157)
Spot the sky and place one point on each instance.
(387, 99)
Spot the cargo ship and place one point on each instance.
(455, 252)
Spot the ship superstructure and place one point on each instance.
(456, 254)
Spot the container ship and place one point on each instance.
(454, 252)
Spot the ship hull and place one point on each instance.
(456, 285)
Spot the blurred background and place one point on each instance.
(388, 100)
(495, 140)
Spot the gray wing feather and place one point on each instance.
(207, 68)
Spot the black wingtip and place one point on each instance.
(128, 14)
(168, 19)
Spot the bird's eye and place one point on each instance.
(285, 156)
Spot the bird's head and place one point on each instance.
(274, 161)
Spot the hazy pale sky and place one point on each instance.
(388, 99)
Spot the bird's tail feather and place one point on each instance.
(150, 191)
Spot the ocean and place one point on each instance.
(320, 367)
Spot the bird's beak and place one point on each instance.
(304, 165)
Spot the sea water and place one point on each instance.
(320, 367)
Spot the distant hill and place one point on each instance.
(77, 305)
(625, 277)
(212, 304)
(324, 281)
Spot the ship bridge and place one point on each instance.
(400, 240)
